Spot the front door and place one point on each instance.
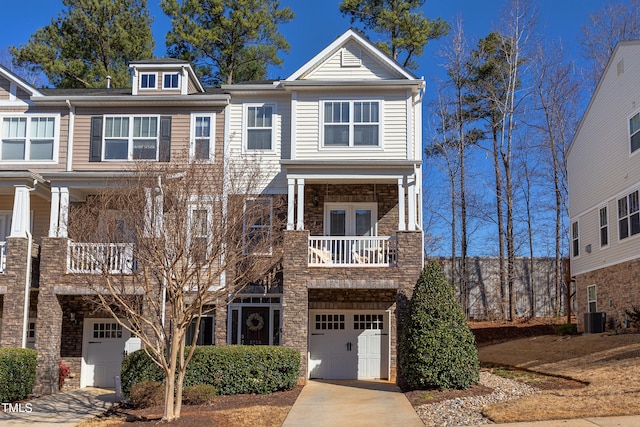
(255, 325)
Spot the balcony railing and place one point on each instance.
(94, 258)
(3, 257)
(332, 251)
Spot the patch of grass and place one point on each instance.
(524, 376)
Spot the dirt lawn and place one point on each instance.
(610, 363)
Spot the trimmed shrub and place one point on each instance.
(146, 394)
(198, 394)
(437, 347)
(17, 373)
(567, 329)
(231, 369)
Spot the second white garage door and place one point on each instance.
(348, 344)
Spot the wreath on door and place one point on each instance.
(255, 322)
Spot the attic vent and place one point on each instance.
(351, 57)
(620, 67)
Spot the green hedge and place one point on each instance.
(17, 373)
(231, 369)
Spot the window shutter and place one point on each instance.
(164, 154)
(95, 142)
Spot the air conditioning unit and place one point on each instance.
(594, 322)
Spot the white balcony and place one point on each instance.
(3, 257)
(352, 251)
(95, 258)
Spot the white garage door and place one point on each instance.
(105, 343)
(348, 344)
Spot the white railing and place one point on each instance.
(3, 257)
(94, 258)
(375, 251)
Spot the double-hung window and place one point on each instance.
(202, 134)
(259, 127)
(28, 138)
(575, 239)
(604, 226)
(351, 123)
(200, 221)
(592, 301)
(131, 138)
(634, 132)
(257, 226)
(628, 215)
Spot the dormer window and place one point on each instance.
(148, 80)
(171, 81)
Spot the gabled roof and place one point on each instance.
(10, 75)
(350, 35)
(619, 46)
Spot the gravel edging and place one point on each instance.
(467, 411)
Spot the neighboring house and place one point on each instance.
(341, 141)
(604, 182)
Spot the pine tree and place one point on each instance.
(437, 347)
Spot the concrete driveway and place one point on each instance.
(351, 403)
(64, 409)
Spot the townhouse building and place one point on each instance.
(341, 142)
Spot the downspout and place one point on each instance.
(27, 284)
(72, 117)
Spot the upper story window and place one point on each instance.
(351, 124)
(575, 239)
(634, 132)
(171, 81)
(131, 138)
(148, 80)
(257, 226)
(202, 136)
(28, 138)
(628, 215)
(604, 227)
(259, 127)
(200, 220)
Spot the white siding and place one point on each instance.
(600, 166)
(370, 69)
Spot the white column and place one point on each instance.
(21, 209)
(412, 204)
(64, 212)
(300, 223)
(291, 197)
(401, 214)
(55, 211)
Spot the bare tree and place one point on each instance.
(616, 21)
(176, 240)
(36, 79)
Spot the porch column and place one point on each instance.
(412, 204)
(21, 211)
(64, 212)
(401, 214)
(55, 210)
(153, 212)
(291, 197)
(300, 223)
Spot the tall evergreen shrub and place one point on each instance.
(437, 347)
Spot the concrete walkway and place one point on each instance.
(61, 410)
(350, 403)
(628, 421)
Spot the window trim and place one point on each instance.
(56, 138)
(245, 127)
(575, 239)
(604, 227)
(628, 215)
(130, 137)
(212, 136)
(351, 123)
(637, 132)
(246, 227)
(594, 300)
(148, 73)
(171, 73)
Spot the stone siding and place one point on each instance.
(617, 290)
